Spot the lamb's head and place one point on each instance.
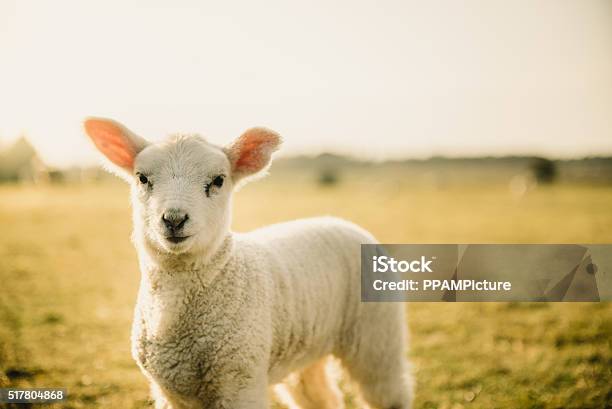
(181, 187)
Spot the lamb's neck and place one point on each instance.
(167, 279)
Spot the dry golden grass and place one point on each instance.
(68, 278)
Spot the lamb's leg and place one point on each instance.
(254, 395)
(232, 397)
(377, 359)
(315, 388)
(158, 397)
(163, 400)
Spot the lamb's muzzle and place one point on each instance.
(174, 220)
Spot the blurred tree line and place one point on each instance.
(19, 162)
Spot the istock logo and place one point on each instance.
(383, 264)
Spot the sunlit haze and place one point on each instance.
(375, 79)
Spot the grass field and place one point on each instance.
(68, 279)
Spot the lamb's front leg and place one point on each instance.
(159, 399)
(237, 391)
(247, 398)
(252, 397)
(165, 399)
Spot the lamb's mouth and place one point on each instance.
(177, 239)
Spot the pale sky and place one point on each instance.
(372, 78)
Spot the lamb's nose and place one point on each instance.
(175, 219)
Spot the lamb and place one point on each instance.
(221, 316)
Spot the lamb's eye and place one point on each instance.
(143, 179)
(218, 181)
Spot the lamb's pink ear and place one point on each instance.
(115, 141)
(252, 151)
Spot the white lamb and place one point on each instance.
(220, 315)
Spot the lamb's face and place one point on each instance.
(181, 192)
(182, 187)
